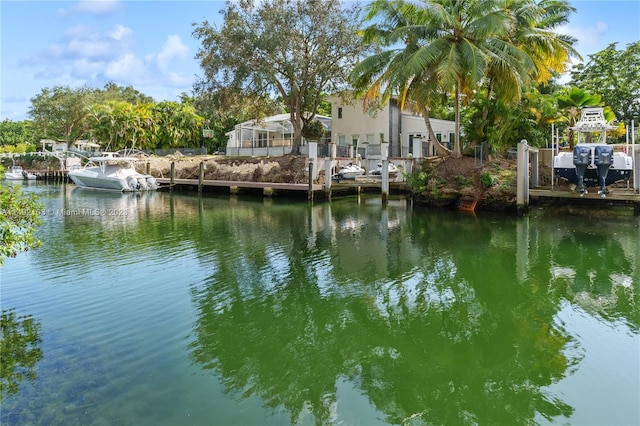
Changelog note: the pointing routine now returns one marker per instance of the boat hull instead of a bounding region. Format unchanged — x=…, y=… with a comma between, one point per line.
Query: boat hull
x=18, y=174
x=620, y=169
x=591, y=176
x=113, y=178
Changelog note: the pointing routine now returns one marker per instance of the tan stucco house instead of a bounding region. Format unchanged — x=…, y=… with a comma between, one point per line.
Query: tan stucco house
x=352, y=125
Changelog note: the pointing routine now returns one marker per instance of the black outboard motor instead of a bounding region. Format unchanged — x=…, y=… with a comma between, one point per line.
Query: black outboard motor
x=581, y=159
x=603, y=159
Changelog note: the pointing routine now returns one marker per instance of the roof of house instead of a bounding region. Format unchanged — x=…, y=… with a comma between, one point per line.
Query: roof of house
x=278, y=122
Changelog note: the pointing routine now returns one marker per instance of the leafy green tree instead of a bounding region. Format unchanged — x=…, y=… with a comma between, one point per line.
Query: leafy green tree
x=383, y=75
x=571, y=101
x=59, y=113
x=449, y=46
x=16, y=132
x=296, y=49
x=19, y=217
x=613, y=74
x=532, y=31
x=177, y=125
x=113, y=92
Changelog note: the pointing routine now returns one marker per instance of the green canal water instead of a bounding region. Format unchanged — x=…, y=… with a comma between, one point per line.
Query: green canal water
x=174, y=309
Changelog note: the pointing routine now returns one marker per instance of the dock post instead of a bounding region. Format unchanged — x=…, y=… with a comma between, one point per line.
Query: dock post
x=328, y=165
x=522, y=192
x=200, y=177
x=148, y=168
x=384, y=181
x=384, y=189
x=172, y=174
x=313, y=155
x=310, y=191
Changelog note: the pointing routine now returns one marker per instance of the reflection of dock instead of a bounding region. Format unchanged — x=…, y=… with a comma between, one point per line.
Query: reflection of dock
x=345, y=187
x=234, y=186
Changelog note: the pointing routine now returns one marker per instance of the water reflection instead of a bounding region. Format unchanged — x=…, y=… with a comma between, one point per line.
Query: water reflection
x=428, y=316
x=19, y=351
x=431, y=327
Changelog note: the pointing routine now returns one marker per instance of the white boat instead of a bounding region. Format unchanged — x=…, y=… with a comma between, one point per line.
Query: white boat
x=393, y=170
x=350, y=171
x=112, y=172
x=593, y=163
x=18, y=173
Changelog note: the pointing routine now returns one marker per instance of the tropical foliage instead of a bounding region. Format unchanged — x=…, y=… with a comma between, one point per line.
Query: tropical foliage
x=614, y=74
x=145, y=126
x=458, y=48
x=17, y=136
x=19, y=217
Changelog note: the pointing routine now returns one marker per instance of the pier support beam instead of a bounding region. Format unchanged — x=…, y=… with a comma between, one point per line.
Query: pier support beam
x=522, y=192
x=384, y=184
x=172, y=175
x=384, y=188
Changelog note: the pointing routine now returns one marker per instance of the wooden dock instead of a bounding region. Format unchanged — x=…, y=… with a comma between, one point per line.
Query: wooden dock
x=616, y=197
x=344, y=187
x=615, y=194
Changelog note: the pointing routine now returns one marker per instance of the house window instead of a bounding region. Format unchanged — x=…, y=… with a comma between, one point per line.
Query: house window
x=370, y=138
x=339, y=112
x=439, y=137
x=452, y=136
x=355, y=139
x=342, y=140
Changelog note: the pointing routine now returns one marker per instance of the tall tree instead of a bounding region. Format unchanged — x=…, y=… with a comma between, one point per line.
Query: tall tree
x=59, y=113
x=532, y=30
x=298, y=49
x=613, y=74
x=449, y=44
x=17, y=132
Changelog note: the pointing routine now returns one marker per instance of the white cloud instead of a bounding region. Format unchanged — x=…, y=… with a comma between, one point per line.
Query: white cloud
x=127, y=69
x=120, y=32
x=589, y=38
x=173, y=48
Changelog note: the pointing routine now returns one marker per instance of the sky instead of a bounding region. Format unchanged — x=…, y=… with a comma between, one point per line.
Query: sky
x=149, y=44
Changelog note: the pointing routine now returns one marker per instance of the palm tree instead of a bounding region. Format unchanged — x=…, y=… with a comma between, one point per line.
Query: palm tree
x=382, y=76
x=571, y=101
x=449, y=46
x=531, y=31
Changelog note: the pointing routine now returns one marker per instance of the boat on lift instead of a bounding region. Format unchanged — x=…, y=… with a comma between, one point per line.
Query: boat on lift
x=393, y=170
x=592, y=163
x=112, y=172
x=350, y=171
x=18, y=173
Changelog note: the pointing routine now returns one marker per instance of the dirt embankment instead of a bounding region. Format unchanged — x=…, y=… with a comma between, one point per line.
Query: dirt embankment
x=466, y=183
x=444, y=182
x=288, y=169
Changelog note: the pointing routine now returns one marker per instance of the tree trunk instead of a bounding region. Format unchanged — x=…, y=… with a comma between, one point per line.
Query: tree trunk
x=456, y=146
x=297, y=133
x=440, y=149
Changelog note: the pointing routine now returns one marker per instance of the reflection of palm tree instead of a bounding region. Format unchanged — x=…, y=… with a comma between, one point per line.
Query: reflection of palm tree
x=19, y=351
x=272, y=324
